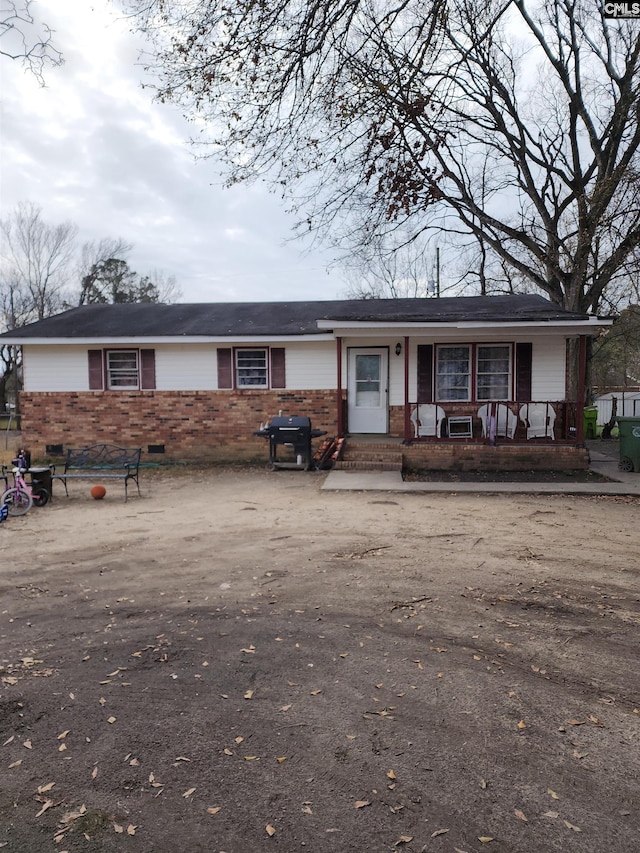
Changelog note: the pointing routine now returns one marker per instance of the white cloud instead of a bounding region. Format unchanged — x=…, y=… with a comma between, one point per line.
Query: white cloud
x=92, y=147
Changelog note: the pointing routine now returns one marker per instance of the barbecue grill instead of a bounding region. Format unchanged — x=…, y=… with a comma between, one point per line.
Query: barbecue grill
x=294, y=433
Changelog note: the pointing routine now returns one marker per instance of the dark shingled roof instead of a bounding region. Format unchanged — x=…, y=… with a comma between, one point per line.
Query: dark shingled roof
x=236, y=319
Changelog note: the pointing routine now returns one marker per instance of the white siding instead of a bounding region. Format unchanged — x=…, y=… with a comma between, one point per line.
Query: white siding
x=311, y=366
x=548, y=368
x=186, y=367
x=179, y=367
x=55, y=368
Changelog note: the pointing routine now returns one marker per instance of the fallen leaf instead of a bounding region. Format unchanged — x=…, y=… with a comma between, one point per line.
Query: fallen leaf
x=214, y=809
x=270, y=830
x=439, y=832
x=44, y=788
x=285, y=708
x=360, y=804
x=63, y=735
x=521, y=725
x=251, y=758
x=576, y=722
x=134, y=763
x=15, y=764
x=571, y=826
x=239, y=739
x=485, y=838
x=280, y=760
x=483, y=784
x=227, y=751
x=8, y=741
x=27, y=744
x=550, y=814
x=62, y=747
x=391, y=775
x=94, y=773
x=521, y=815
x=48, y=805
x=249, y=694
x=112, y=720
x=118, y=828
x=552, y=794
x=306, y=810
x=131, y=829
x=404, y=839
x=316, y=692
x=188, y=793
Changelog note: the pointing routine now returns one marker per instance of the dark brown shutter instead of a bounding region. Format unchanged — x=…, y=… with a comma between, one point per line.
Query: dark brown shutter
x=278, y=372
x=147, y=369
x=524, y=357
x=96, y=374
x=425, y=373
x=225, y=373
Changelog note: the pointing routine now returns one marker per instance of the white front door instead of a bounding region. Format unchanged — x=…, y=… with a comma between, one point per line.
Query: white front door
x=367, y=382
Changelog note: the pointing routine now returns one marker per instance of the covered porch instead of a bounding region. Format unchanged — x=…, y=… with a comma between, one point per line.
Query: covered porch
x=483, y=390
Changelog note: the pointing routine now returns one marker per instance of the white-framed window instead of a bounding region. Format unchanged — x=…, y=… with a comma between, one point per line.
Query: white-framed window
x=122, y=368
x=466, y=372
x=252, y=368
x=453, y=373
x=493, y=372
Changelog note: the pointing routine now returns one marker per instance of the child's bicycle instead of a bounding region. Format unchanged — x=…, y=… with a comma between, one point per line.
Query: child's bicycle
x=21, y=496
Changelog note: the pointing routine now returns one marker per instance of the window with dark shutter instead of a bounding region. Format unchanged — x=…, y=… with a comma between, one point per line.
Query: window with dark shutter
x=147, y=369
x=225, y=371
x=524, y=358
x=278, y=371
x=425, y=373
x=96, y=372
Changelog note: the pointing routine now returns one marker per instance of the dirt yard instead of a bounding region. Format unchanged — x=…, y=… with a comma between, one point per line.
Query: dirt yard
x=241, y=662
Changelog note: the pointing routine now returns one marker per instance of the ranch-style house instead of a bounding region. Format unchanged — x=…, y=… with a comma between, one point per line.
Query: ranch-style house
x=468, y=382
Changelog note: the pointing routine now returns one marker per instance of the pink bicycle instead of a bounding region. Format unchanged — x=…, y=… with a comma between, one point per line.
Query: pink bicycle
x=22, y=495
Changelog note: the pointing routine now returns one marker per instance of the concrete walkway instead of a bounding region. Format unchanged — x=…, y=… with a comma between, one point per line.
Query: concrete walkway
x=604, y=461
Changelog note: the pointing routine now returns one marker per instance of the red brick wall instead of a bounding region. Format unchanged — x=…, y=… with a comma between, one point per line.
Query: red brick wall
x=460, y=456
x=214, y=425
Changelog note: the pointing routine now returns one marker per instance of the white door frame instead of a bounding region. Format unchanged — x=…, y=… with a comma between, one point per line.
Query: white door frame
x=368, y=411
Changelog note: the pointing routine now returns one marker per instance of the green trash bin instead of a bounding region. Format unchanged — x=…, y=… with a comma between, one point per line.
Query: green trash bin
x=590, y=421
x=629, y=429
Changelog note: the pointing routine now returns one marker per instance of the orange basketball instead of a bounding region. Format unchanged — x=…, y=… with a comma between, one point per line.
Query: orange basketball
x=98, y=492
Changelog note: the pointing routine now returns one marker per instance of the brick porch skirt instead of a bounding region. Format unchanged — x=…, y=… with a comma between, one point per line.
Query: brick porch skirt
x=450, y=456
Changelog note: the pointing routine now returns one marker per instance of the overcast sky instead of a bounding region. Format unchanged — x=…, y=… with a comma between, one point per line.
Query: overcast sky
x=91, y=147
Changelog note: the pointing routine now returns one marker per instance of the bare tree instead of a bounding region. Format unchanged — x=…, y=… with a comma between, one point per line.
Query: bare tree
x=516, y=121
x=23, y=39
x=37, y=259
x=166, y=286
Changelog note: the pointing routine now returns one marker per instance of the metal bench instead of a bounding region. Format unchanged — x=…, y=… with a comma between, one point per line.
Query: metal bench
x=101, y=462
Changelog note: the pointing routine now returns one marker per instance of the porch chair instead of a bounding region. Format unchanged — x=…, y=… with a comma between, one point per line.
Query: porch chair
x=427, y=419
x=539, y=419
x=497, y=419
